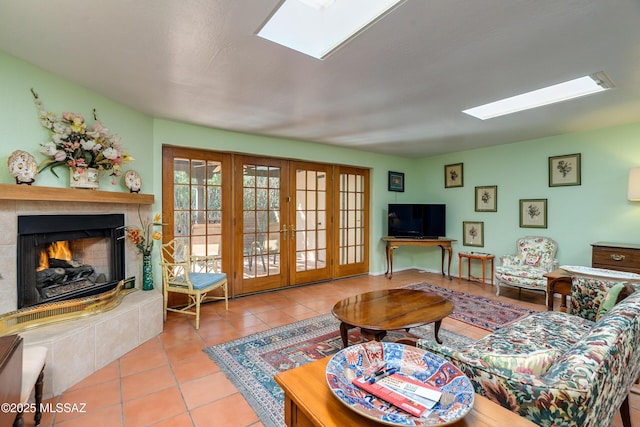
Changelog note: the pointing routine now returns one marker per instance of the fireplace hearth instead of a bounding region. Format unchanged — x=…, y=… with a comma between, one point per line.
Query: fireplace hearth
x=62, y=257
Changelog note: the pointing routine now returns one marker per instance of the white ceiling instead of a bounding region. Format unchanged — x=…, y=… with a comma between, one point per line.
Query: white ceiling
x=398, y=88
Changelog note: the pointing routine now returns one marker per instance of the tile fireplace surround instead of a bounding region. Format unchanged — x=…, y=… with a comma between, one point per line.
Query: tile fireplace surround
x=77, y=348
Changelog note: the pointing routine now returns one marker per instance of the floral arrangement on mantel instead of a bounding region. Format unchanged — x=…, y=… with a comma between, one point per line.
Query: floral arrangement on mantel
x=76, y=145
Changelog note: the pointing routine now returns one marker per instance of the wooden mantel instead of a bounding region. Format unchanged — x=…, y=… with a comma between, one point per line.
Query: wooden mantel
x=59, y=194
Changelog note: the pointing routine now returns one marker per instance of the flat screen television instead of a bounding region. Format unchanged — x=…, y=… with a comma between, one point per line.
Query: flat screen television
x=420, y=221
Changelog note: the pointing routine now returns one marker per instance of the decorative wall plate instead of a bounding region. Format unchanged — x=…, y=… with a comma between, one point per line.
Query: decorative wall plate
x=133, y=181
x=22, y=166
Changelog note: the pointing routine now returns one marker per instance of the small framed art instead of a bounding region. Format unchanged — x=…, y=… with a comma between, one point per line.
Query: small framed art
x=473, y=233
x=487, y=198
x=564, y=170
x=453, y=175
x=396, y=181
x=533, y=213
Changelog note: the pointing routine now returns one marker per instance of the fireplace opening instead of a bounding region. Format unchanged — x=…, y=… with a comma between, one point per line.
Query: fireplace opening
x=61, y=257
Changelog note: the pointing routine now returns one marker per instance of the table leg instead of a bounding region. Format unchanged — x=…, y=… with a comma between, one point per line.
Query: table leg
x=449, y=267
x=389, y=252
x=442, y=253
x=436, y=329
x=344, y=334
x=459, y=266
x=483, y=262
x=492, y=272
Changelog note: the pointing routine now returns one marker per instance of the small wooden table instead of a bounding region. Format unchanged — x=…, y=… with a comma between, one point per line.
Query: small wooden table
x=308, y=402
x=558, y=282
x=483, y=257
x=395, y=242
x=377, y=312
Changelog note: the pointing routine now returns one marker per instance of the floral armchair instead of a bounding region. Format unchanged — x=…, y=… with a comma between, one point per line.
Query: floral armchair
x=525, y=270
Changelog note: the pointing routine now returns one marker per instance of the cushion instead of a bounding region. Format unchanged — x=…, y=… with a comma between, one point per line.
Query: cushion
x=614, y=295
x=532, y=259
x=534, y=363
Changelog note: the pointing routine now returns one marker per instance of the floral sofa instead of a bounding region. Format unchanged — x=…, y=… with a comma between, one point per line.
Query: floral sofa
x=526, y=269
x=559, y=369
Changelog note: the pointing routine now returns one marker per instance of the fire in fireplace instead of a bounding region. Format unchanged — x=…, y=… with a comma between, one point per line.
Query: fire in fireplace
x=68, y=256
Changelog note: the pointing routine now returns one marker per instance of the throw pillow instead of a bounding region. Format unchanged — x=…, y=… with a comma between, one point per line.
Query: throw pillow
x=532, y=259
x=534, y=363
x=613, y=296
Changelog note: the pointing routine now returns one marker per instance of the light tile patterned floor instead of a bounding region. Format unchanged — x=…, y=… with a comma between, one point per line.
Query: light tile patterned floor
x=169, y=381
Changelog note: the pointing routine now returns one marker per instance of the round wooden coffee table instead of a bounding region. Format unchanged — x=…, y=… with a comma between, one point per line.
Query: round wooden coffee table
x=377, y=312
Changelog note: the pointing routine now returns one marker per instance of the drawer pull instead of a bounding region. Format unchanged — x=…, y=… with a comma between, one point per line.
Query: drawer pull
x=617, y=257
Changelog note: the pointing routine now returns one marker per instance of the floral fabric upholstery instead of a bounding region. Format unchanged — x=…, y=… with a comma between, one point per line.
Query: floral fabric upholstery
x=596, y=365
x=526, y=269
x=587, y=294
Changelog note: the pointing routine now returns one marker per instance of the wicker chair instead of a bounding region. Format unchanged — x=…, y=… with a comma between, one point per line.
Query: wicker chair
x=194, y=276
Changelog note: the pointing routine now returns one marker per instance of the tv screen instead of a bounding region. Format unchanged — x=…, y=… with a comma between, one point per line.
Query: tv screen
x=419, y=221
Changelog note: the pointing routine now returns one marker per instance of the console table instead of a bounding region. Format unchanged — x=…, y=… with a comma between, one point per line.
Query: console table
x=308, y=402
x=393, y=243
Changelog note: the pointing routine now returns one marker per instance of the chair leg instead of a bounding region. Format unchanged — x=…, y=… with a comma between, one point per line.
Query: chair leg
x=198, y=299
x=18, y=422
x=625, y=412
x=38, y=395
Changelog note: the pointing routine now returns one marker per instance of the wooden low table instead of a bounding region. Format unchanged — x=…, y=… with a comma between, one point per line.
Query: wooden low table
x=484, y=259
x=377, y=312
x=308, y=402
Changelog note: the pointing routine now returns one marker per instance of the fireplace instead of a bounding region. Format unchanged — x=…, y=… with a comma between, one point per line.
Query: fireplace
x=61, y=257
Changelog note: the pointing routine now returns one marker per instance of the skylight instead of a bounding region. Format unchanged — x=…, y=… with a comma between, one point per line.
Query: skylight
x=319, y=27
x=575, y=88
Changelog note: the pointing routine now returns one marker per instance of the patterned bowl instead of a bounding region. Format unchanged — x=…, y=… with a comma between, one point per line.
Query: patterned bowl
x=351, y=362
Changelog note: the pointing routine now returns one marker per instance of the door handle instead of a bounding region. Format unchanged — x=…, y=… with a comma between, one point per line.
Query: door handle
x=284, y=230
x=293, y=232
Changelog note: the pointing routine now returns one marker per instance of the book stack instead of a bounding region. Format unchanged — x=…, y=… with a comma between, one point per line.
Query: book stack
x=406, y=393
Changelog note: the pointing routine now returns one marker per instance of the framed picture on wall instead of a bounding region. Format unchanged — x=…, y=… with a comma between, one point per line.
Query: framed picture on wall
x=473, y=233
x=396, y=181
x=533, y=213
x=564, y=170
x=487, y=198
x=453, y=175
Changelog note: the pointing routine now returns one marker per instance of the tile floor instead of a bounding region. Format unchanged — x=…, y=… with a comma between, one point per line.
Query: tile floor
x=170, y=381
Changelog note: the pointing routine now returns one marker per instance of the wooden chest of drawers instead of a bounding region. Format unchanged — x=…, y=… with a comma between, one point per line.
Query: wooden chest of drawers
x=616, y=256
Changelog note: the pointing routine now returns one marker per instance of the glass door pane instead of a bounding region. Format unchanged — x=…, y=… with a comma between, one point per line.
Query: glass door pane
x=311, y=206
x=261, y=232
x=353, y=248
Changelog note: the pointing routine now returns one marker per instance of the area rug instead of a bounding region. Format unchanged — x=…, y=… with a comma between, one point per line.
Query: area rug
x=251, y=362
x=482, y=312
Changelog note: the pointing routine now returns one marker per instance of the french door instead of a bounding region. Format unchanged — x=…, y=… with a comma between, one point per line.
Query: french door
x=269, y=222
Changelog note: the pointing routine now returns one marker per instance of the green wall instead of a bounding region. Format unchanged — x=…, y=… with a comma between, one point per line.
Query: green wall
x=597, y=210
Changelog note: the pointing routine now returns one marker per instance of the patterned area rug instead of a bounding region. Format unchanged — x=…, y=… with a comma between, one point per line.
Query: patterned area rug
x=251, y=362
x=482, y=312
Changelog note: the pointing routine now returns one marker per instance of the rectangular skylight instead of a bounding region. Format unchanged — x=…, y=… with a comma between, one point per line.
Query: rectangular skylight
x=559, y=92
x=318, y=27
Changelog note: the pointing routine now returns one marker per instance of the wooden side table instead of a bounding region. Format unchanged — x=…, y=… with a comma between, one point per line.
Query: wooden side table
x=558, y=282
x=483, y=257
